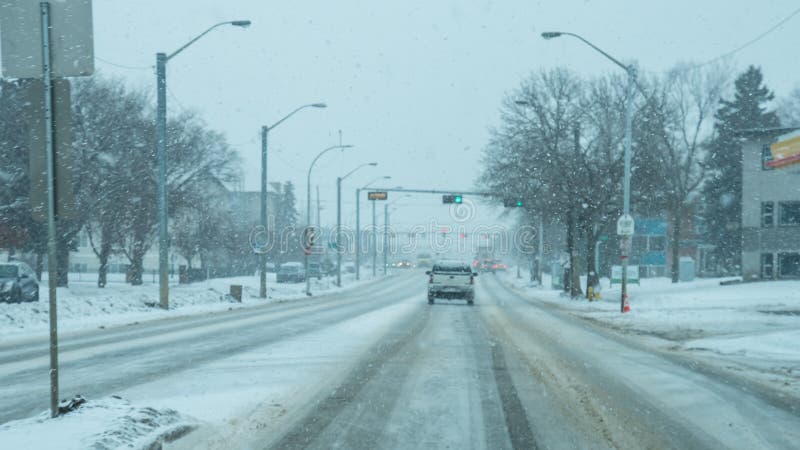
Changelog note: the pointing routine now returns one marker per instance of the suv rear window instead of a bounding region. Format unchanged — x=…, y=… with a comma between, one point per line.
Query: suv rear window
x=452, y=268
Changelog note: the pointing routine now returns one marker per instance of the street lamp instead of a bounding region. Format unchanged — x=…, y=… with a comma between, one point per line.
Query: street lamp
x=358, y=222
x=626, y=203
x=307, y=247
x=339, y=221
x=161, y=151
x=262, y=261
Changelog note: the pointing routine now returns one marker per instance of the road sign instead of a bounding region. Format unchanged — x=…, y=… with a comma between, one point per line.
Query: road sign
x=71, y=38
x=631, y=278
x=309, y=236
x=62, y=151
x=603, y=238
x=377, y=195
x=625, y=225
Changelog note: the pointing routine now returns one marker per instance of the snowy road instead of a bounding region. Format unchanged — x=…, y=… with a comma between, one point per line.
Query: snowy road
x=376, y=367
x=104, y=362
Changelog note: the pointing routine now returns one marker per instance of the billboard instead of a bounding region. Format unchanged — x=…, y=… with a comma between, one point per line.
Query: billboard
x=786, y=151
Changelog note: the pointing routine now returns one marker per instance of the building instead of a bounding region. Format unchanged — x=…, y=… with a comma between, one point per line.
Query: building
x=770, y=209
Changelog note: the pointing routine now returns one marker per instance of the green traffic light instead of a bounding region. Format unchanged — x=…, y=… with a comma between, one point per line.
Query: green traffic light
x=519, y=203
x=457, y=199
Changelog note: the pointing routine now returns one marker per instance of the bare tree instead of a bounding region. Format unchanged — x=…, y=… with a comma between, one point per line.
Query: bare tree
x=678, y=116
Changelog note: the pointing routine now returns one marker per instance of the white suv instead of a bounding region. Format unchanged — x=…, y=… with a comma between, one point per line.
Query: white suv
x=451, y=279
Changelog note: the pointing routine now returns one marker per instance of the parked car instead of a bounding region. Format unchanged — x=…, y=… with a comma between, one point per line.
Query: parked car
x=315, y=270
x=451, y=279
x=18, y=283
x=291, y=272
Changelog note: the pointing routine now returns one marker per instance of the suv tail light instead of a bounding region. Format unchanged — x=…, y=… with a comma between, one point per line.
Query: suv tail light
x=430, y=280
x=472, y=279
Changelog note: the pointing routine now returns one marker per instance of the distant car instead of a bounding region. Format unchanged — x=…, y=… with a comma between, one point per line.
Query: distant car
x=482, y=265
x=18, y=283
x=451, y=279
x=424, y=260
x=404, y=264
x=291, y=272
x=498, y=266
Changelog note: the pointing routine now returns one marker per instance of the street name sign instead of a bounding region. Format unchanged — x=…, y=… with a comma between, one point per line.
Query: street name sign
x=377, y=195
x=625, y=225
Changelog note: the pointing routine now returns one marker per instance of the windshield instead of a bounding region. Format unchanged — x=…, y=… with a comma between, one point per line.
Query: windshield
x=8, y=271
x=450, y=224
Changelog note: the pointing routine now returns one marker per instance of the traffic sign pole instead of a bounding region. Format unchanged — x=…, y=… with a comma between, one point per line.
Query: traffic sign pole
x=51, y=206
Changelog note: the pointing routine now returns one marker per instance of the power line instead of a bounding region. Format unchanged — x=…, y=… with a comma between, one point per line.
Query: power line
x=122, y=66
x=748, y=43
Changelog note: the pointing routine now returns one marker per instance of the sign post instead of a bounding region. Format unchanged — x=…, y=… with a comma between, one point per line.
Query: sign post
x=43, y=40
x=625, y=229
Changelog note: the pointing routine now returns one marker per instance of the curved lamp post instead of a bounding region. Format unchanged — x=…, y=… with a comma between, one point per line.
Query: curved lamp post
x=307, y=251
x=626, y=205
x=262, y=260
x=339, y=221
x=161, y=151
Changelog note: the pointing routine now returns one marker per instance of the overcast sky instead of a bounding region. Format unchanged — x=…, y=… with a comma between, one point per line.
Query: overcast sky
x=414, y=85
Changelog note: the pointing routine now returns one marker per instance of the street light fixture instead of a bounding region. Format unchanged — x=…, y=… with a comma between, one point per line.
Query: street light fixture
x=358, y=222
x=262, y=260
x=626, y=238
x=161, y=151
x=339, y=221
x=307, y=251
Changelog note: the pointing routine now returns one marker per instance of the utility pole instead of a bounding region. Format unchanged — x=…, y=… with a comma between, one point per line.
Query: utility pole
x=385, y=236
x=319, y=222
x=540, y=266
x=338, y=231
x=374, y=240
x=358, y=234
x=262, y=257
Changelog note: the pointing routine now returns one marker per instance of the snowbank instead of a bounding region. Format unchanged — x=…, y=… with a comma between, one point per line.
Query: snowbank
x=756, y=325
x=83, y=305
x=106, y=423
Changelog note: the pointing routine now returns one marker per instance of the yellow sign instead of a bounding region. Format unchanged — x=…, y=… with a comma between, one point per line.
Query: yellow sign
x=786, y=151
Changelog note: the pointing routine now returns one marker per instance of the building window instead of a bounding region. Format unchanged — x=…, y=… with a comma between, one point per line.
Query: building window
x=639, y=245
x=767, y=214
x=789, y=214
x=658, y=243
x=767, y=266
x=789, y=265
x=766, y=156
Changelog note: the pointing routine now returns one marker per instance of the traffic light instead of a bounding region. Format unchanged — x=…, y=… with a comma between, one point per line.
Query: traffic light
x=452, y=198
x=512, y=203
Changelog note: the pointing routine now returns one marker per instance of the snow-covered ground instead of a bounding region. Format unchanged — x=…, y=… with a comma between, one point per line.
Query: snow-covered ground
x=753, y=328
x=107, y=423
x=211, y=395
x=83, y=305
